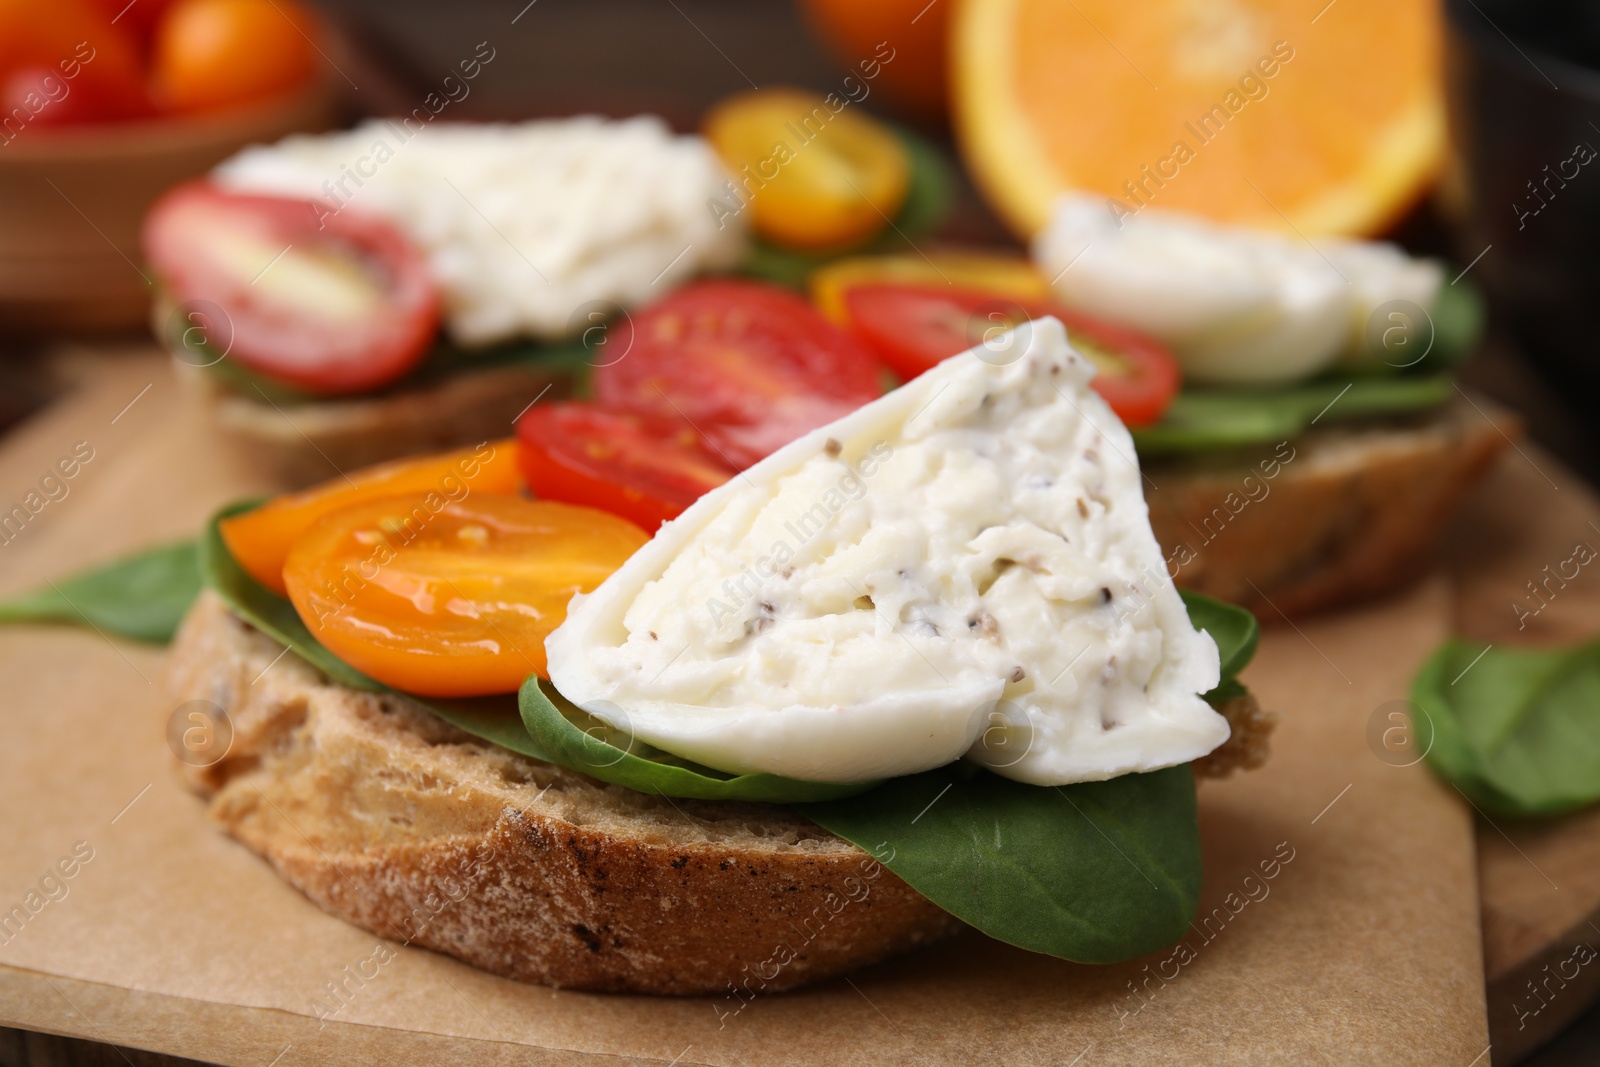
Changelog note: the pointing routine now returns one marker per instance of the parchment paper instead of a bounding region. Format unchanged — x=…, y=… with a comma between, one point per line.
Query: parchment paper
x=1362, y=946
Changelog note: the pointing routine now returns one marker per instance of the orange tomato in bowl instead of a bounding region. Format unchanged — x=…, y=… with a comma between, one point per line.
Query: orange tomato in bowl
x=215, y=54
x=452, y=602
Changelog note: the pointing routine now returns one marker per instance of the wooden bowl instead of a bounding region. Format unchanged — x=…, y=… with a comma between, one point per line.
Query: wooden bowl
x=72, y=200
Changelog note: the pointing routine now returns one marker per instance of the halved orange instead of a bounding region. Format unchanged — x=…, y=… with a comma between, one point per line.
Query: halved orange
x=1325, y=118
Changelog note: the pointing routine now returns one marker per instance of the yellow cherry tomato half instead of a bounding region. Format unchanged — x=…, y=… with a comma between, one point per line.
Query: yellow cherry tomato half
x=813, y=172
x=1004, y=276
x=453, y=602
x=260, y=540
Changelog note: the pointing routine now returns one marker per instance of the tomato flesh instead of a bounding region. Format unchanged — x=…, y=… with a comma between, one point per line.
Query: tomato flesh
x=915, y=327
x=455, y=601
x=751, y=366
x=326, y=302
x=644, y=468
x=260, y=540
x=812, y=176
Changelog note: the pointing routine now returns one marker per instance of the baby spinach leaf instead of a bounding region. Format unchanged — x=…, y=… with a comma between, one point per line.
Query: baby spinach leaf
x=578, y=740
x=1234, y=629
x=1201, y=419
x=927, y=201
x=1458, y=317
x=1097, y=872
x=494, y=719
x=142, y=597
x=1517, y=730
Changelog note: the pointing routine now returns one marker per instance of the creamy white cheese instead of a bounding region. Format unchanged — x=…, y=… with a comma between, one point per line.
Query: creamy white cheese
x=1235, y=305
x=964, y=566
x=525, y=226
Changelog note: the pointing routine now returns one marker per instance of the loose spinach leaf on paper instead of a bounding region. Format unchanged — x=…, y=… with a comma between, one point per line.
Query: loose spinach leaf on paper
x=1517, y=730
x=1097, y=872
x=582, y=742
x=927, y=202
x=142, y=597
x=494, y=719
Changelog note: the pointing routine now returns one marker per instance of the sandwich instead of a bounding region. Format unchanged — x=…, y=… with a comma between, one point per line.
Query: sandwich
x=917, y=668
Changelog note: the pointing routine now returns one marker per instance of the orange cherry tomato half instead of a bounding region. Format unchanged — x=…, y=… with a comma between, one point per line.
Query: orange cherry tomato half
x=260, y=540
x=914, y=327
x=989, y=272
x=645, y=468
x=215, y=54
x=813, y=176
x=453, y=602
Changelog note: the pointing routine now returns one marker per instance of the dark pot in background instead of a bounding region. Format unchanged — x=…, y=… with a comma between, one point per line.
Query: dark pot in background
x=1524, y=97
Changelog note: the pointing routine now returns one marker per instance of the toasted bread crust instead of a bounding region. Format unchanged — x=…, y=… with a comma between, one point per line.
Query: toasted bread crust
x=395, y=821
x=1346, y=513
x=311, y=442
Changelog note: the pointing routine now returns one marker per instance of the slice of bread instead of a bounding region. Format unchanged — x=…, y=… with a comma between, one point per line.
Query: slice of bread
x=1344, y=512
x=305, y=443
x=393, y=820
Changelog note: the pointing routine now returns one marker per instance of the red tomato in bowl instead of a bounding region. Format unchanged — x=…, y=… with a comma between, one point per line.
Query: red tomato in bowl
x=645, y=468
x=65, y=62
x=326, y=302
x=914, y=326
x=751, y=366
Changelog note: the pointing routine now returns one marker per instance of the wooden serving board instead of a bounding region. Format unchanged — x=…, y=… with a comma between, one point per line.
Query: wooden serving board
x=1339, y=918
x=1540, y=880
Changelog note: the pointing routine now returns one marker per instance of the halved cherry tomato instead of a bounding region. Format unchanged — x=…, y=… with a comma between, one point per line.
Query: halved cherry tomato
x=214, y=54
x=988, y=272
x=454, y=601
x=329, y=302
x=750, y=365
x=914, y=327
x=260, y=540
x=643, y=467
x=812, y=175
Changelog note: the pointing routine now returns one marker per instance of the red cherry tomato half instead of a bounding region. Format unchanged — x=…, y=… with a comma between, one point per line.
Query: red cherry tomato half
x=750, y=365
x=645, y=468
x=913, y=327
x=326, y=302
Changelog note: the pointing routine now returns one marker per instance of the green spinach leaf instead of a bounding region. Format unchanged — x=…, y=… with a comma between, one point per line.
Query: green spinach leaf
x=1211, y=418
x=1517, y=730
x=142, y=597
x=1097, y=872
x=1234, y=629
